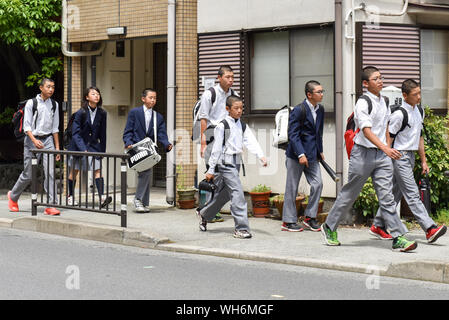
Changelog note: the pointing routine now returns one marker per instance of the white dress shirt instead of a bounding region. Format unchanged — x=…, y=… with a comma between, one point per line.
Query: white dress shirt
x=216, y=112
x=46, y=121
x=407, y=139
x=234, y=145
x=313, y=109
x=92, y=114
x=148, y=114
x=377, y=120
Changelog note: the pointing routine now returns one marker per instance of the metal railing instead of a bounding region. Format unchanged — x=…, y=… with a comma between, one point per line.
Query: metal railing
x=86, y=200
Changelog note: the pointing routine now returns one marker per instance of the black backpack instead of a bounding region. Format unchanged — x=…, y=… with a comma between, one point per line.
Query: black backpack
x=17, y=118
x=67, y=137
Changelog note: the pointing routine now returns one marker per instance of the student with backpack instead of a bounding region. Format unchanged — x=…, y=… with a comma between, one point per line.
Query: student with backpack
x=40, y=125
x=88, y=135
x=405, y=128
x=212, y=111
x=370, y=156
x=304, y=151
x=231, y=135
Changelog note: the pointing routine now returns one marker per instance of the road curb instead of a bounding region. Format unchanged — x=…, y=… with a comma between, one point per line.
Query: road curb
x=89, y=231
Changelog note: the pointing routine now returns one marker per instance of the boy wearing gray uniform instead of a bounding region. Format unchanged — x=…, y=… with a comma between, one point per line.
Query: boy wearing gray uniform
x=41, y=129
x=407, y=141
x=370, y=156
x=226, y=156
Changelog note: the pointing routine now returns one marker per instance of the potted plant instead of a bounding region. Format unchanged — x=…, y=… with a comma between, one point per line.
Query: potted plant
x=186, y=195
x=260, y=198
x=278, y=202
x=306, y=202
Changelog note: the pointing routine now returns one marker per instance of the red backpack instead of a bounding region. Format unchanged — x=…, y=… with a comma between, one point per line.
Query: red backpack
x=351, y=130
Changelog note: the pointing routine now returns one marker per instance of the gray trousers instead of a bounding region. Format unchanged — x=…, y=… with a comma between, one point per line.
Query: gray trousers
x=404, y=185
x=229, y=187
x=143, y=187
x=25, y=177
x=313, y=176
x=366, y=162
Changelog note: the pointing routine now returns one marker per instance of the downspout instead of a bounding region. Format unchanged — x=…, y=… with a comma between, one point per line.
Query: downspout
x=64, y=42
x=171, y=94
x=339, y=92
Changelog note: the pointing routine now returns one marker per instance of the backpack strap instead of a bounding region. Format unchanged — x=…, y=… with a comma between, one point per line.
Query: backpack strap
x=368, y=100
x=213, y=95
x=34, y=100
x=302, y=114
x=155, y=126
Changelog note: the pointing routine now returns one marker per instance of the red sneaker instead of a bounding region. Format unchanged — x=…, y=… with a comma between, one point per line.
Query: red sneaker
x=380, y=233
x=434, y=233
x=52, y=211
x=12, y=205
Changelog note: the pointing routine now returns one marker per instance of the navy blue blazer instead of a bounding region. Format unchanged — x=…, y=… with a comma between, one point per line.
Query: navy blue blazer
x=308, y=139
x=86, y=135
x=135, y=128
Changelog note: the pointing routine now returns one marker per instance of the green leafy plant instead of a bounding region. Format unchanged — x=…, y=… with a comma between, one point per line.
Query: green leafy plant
x=437, y=156
x=6, y=116
x=367, y=202
x=442, y=217
x=261, y=188
x=180, y=176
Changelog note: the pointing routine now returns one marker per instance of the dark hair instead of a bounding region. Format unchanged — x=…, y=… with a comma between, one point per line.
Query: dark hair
x=45, y=80
x=146, y=90
x=368, y=71
x=310, y=85
x=408, y=85
x=85, y=103
x=231, y=99
x=223, y=69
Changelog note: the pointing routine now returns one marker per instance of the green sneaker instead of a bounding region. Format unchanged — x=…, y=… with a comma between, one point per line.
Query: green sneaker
x=402, y=244
x=330, y=237
x=217, y=218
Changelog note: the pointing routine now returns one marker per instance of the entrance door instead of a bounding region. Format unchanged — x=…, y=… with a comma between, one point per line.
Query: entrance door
x=160, y=85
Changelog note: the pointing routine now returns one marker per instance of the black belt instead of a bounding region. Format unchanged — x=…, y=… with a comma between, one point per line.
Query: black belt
x=43, y=137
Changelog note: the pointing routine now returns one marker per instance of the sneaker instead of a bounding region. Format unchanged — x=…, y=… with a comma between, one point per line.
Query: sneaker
x=52, y=212
x=218, y=218
x=380, y=233
x=403, y=245
x=12, y=205
x=242, y=234
x=71, y=201
x=311, y=224
x=330, y=237
x=434, y=233
x=203, y=222
x=291, y=227
x=139, y=208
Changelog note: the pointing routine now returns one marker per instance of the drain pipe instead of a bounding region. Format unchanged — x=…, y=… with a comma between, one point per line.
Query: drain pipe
x=171, y=95
x=64, y=42
x=339, y=92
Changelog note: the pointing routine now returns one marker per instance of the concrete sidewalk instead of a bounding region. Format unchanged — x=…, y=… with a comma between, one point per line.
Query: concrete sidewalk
x=172, y=229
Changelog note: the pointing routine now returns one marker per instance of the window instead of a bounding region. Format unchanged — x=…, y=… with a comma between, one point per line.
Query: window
x=282, y=62
x=434, y=68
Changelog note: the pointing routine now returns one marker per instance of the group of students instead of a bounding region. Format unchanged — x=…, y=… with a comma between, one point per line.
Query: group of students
x=88, y=131
x=373, y=155
x=223, y=137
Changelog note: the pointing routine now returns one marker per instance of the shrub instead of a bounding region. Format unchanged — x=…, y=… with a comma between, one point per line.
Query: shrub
x=367, y=202
x=261, y=188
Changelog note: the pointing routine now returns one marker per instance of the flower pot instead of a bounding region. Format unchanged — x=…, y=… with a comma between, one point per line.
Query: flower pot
x=186, y=204
x=280, y=204
x=261, y=203
x=306, y=202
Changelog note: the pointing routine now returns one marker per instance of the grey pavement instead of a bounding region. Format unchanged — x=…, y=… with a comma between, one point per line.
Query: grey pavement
x=173, y=229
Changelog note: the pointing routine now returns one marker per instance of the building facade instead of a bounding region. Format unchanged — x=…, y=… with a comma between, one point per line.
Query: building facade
x=274, y=47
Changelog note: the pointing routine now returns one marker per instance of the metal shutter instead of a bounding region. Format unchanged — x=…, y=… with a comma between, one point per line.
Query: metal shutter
x=395, y=50
x=215, y=50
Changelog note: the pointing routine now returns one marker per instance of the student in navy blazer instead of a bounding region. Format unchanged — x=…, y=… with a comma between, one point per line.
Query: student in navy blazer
x=304, y=151
x=140, y=124
x=88, y=135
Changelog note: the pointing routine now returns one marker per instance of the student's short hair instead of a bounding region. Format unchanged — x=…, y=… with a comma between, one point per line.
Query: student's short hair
x=408, y=85
x=85, y=103
x=368, y=71
x=44, y=80
x=146, y=90
x=310, y=86
x=231, y=99
x=223, y=69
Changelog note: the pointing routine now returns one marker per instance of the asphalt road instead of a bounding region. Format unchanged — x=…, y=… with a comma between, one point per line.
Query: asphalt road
x=42, y=266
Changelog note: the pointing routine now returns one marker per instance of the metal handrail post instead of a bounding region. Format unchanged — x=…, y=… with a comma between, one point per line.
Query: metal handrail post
x=33, y=184
x=123, y=183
